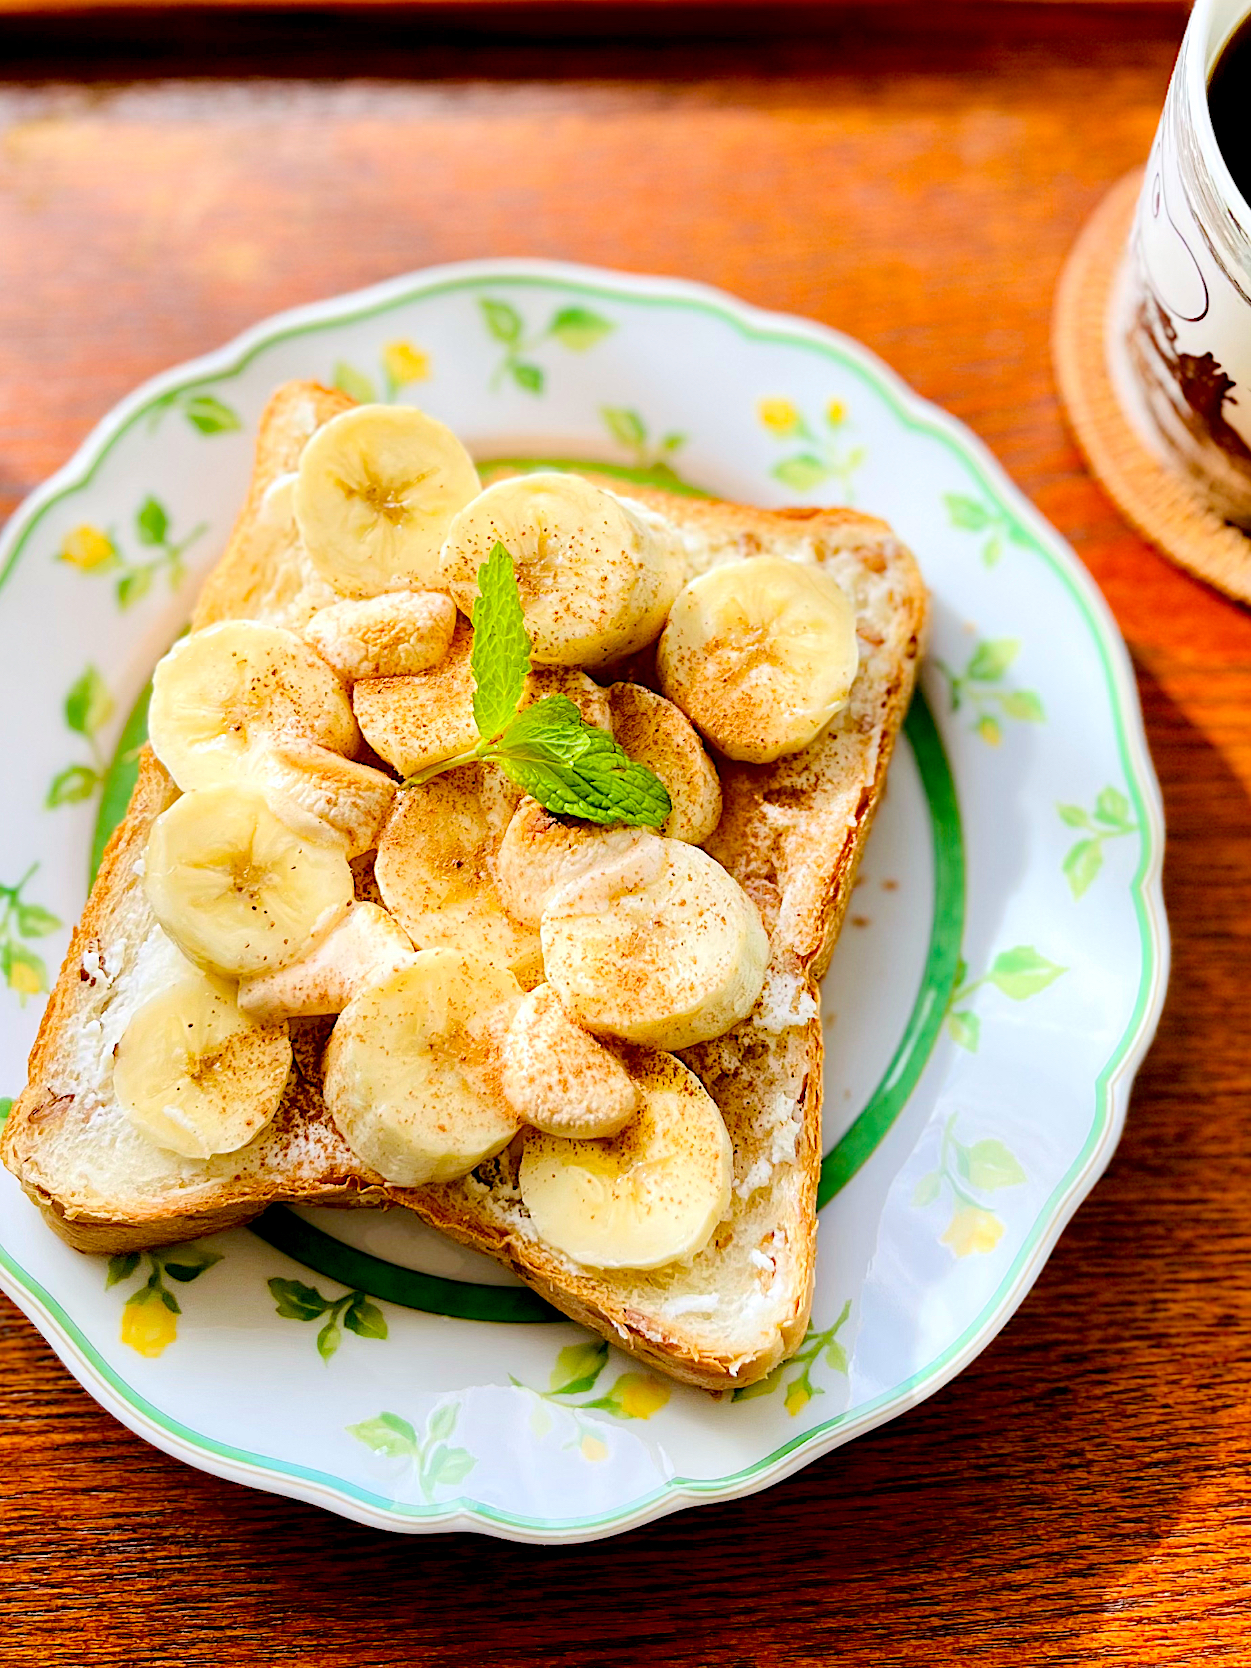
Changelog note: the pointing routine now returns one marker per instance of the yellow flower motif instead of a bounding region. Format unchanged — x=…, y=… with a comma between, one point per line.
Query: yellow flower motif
x=973, y=1229
x=593, y=1449
x=24, y=979
x=797, y=1397
x=147, y=1325
x=835, y=413
x=640, y=1395
x=404, y=363
x=86, y=548
x=780, y=416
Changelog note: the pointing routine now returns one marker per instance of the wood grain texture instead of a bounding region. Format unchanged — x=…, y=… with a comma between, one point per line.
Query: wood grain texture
x=1080, y=1494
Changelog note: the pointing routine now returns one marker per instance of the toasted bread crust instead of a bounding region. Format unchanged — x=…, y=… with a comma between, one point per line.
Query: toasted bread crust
x=791, y=833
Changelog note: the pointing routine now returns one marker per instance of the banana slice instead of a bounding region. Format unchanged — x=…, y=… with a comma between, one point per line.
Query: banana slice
x=235, y=888
x=196, y=1075
x=652, y=1194
x=433, y=870
x=412, y=1069
x=319, y=794
x=541, y=853
x=596, y=580
x=657, y=734
x=376, y=492
x=558, y=1078
x=221, y=690
x=365, y=946
x=417, y=721
x=674, y=961
x=390, y=636
x=760, y=655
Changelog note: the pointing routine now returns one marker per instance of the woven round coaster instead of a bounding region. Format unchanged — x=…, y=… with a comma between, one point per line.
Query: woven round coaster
x=1156, y=500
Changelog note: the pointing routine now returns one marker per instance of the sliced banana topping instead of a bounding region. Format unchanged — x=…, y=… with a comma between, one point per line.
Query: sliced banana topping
x=376, y=492
x=657, y=734
x=674, y=961
x=236, y=889
x=541, y=853
x=412, y=1069
x=365, y=946
x=196, y=1075
x=760, y=655
x=558, y=1077
x=220, y=691
x=389, y=636
x=320, y=795
x=596, y=581
x=648, y=1196
x=416, y=721
x=433, y=870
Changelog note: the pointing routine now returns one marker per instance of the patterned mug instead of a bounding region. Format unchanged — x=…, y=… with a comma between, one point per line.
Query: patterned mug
x=1180, y=342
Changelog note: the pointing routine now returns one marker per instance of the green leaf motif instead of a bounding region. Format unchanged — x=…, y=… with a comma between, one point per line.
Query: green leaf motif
x=131, y=587
x=364, y=1318
x=1112, y=809
x=33, y=921
x=1021, y=972
x=529, y=377
x=17, y=955
x=578, y=1366
x=6, y=1106
x=802, y=472
x=673, y=442
x=763, y=1387
x=88, y=706
x=442, y=1422
x=576, y=770
x=836, y=1356
x=387, y=1434
x=188, y=1262
x=967, y=512
x=1082, y=864
x=990, y=660
x=992, y=550
x=500, y=656
x=504, y=322
x=121, y=1267
x=207, y=414
x=965, y=1029
x=578, y=328
x=355, y=384
x=296, y=1301
x=626, y=426
x=927, y=1190
x=71, y=785
x=1021, y=704
x=151, y=522
x=1073, y=816
x=992, y=1166
x=449, y=1466
x=329, y=1339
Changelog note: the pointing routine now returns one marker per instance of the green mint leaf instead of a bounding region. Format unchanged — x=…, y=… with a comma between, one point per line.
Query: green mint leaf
x=576, y=770
x=500, y=657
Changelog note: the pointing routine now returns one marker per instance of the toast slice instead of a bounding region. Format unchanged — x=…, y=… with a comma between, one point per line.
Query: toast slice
x=791, y=834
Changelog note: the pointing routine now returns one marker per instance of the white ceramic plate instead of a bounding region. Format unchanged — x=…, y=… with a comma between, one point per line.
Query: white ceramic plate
x=996, y=985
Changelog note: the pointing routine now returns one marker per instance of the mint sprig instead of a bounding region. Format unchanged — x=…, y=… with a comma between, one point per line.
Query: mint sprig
x=548, y=749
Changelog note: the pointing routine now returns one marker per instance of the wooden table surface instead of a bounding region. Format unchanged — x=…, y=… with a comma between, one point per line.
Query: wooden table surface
x=913, y=176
